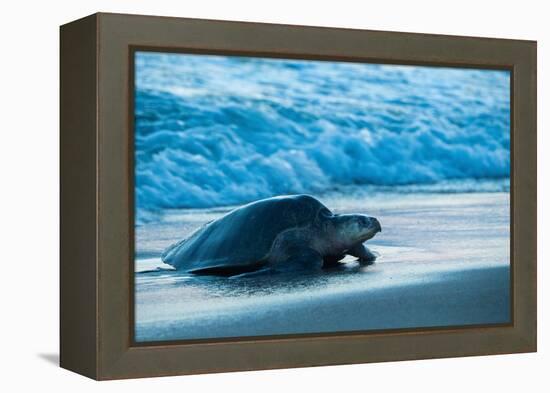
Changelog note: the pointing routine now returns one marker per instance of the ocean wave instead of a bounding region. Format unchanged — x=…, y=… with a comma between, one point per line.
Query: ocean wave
x=215, y=131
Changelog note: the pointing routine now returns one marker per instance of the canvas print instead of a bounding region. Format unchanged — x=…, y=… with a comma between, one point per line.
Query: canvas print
x=293, y=197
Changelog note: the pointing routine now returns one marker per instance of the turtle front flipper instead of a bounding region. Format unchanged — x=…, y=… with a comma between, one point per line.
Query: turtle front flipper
x=300, y=259
x=363, y=254
x=333, y=260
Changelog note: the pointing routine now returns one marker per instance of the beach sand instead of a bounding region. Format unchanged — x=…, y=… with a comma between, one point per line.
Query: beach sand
x=444, y=261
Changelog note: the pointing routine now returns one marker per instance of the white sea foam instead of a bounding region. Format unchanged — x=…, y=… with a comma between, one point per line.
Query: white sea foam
x=218, y=131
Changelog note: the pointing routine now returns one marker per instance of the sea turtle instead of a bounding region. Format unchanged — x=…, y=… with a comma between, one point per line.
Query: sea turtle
x=295, y=232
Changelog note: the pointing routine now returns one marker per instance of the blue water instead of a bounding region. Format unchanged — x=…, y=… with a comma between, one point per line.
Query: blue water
x=217, y=131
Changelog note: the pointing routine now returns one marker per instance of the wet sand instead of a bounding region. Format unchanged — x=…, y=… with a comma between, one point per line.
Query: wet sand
x=444, y=261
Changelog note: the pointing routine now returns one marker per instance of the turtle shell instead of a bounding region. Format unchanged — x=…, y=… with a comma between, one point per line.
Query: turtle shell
x=241, y=240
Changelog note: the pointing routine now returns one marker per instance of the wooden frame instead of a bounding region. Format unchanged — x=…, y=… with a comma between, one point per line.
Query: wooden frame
x=97, y=195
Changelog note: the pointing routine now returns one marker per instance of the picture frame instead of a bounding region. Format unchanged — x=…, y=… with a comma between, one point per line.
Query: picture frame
x=97, y=200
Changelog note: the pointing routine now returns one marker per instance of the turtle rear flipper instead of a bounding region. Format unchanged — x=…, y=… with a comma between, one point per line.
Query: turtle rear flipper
x=226, y=270
x=266, y=271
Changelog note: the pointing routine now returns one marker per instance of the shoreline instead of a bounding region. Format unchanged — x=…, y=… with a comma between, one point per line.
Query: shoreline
x=433, y=297
x=444, y=261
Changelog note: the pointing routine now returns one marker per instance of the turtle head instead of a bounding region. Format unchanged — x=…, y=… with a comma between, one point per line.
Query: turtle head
x=349, y=229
